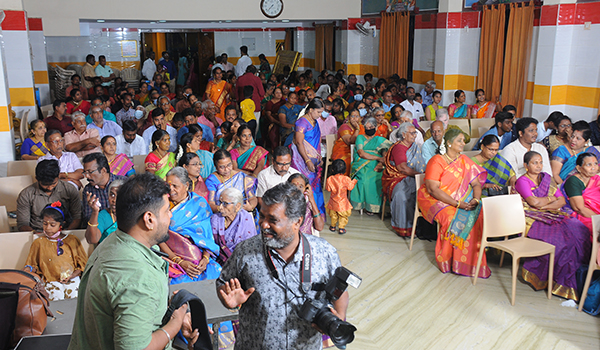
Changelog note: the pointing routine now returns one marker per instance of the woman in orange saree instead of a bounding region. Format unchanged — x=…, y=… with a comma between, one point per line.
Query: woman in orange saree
x=347, y=134
x=482, y=108
x=451, y=196
x=217, y=90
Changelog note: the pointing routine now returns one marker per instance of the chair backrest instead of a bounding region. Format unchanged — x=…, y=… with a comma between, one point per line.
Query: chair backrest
x=425, y=124
x=419, y=180
x=351, y=153
x=89, y=248
x=21, y=167
x=471, y=154
x=503, y=216
x=14, y=249
x=477, y=124
x=469, y=146
x=10, y=187
x=24, y=126
x=139, y=164
x=596, y=232
x=463, y=124
x=4, y=226
x=46, y=110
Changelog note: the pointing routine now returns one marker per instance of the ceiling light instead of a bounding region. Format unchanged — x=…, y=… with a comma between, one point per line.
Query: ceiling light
x=100, y=21
x=285, y=20
x=162, y=21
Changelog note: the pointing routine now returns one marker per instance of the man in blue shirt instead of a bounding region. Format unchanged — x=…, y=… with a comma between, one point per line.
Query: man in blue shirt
x=502, y=129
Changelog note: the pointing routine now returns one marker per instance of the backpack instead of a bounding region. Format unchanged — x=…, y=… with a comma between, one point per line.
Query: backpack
x=24, y=306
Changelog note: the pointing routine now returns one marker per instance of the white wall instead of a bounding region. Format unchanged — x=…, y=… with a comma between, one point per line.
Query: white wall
x=230, y=42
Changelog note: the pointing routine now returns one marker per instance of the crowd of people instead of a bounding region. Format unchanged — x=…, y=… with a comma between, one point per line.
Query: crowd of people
x=221, y=151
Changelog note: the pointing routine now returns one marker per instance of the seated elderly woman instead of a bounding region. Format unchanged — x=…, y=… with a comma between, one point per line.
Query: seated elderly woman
x=546, y=221
x=103, y=222
x=583, y=189
x=366, y=168
x=312, y=218
x=191, y=247
x=565, y=156
x=451, y=196
x=192, y=164
x=119, y=164
x=231, y=225
x=500, y=173
x=402, y=163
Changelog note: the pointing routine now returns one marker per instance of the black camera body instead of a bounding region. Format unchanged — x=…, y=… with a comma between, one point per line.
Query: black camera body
x=317, y=310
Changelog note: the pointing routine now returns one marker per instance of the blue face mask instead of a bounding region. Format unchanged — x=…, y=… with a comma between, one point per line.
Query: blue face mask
x=358, y=97
x=139, y=114
x=292, y=89
x=325, y=114
x=362, y=111
x=154, y=101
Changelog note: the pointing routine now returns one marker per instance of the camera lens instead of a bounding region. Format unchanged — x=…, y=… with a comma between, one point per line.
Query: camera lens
x=340, y=332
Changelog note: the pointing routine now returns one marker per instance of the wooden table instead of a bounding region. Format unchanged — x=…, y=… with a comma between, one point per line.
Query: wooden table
x=64, y=310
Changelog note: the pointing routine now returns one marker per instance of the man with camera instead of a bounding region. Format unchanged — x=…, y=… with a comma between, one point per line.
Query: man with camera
x=276, y=276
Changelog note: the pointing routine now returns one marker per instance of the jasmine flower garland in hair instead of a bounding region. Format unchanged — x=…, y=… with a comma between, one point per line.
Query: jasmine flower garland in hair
x=179, y=153
x=442, y=148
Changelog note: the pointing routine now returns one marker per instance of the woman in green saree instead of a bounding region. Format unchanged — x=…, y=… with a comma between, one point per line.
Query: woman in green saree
x=160, y=160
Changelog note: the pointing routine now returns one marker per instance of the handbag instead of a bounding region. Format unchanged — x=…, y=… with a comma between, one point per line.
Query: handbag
x=493, y=192
x=30, y=315
x=592, y=300
x=198, y=315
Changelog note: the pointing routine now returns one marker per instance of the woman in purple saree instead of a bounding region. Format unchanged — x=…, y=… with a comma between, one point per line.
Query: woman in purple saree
x=546, y=221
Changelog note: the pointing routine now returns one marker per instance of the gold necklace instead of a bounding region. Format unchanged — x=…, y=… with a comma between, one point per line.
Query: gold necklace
x=449, y=159
x=535, y=181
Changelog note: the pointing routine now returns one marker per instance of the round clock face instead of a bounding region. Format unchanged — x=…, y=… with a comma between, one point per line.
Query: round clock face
x=271, y=8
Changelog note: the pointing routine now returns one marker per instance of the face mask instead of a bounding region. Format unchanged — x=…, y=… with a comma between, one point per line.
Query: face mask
x=358, y=97
x=370, y=132
x=292, y=89
x=325, y=114
x=139, y=114
x=362, y=111
x=154, y=101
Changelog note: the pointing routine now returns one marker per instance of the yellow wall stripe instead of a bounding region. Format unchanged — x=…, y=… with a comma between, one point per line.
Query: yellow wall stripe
x=571, y=95
x=529, y=93
x=423, y=76
x=5, y=119
x=541, y=94
x=362, y=69
x=40, y=77
x=22, y=97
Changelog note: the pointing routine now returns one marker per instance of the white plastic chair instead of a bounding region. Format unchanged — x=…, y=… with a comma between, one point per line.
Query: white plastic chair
x=419, y=180
x=593, y=260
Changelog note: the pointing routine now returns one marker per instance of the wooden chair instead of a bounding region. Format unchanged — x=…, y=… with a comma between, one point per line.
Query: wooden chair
x=504, y=216
x=329, y=141
x=21, y=167
x=477, y=124
x=419, y=179
x=139, y=164
x=10, y=187
x=4, y=226
x=14, y=249
x=593, y=260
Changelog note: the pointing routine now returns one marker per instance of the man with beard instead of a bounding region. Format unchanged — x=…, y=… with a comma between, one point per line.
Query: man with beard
x=128, y=111
x=97, y=171
x=124, y=289
x=263, y=276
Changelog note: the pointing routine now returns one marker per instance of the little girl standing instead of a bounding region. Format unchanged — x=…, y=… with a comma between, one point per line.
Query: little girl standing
x=57, y=257
x=339, y=207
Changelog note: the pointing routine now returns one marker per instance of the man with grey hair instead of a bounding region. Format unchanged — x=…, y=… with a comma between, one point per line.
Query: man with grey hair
x=443, y=116
x=433, y=143
x=427, y=93
x=80, y=140
x=264, y=269
x=104, y=127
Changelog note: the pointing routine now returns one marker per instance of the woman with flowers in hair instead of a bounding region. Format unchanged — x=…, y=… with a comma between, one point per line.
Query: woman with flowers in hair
x=57, y=257
x=451, y=195
x=159, y=161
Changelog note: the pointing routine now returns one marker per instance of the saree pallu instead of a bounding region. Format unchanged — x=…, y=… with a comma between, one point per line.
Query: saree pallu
x=199, y=188
x=35, y=149
x=312, y=146
x=453, y=252
x=240, y=229
x=218, y=94
x=121, y=165
x=498, y=170
x=307, y=224
x=340, y=149
x=552, y=143
x=160, y=166
x=488, y=110
x=568, y=161
x=367, y=192
x=190, y=234
x=461, y=112
x=401, y=189
x=245, y=183
x=567, y=234
x=591, y=198
x=250, y=159
x=291, y=116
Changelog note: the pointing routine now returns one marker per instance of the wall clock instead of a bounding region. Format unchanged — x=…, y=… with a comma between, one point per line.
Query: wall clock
x=271, y=8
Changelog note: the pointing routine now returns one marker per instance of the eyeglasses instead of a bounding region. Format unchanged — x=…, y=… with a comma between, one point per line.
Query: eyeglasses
x=164, y=104
x=226, y=203
x=56, y=142
x=89, y=172
x=195, y=164
x=567, y=126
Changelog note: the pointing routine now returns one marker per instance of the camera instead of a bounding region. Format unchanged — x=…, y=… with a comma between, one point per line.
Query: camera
x=317, y=310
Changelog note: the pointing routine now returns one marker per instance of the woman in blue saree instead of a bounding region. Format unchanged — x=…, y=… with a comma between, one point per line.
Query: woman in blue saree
x=564, y=157
x=306, y=149
x=288, y=114
x=459, y=109
x=500, y=174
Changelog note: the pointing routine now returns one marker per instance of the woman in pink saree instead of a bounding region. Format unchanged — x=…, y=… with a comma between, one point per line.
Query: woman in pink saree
x=583, y=189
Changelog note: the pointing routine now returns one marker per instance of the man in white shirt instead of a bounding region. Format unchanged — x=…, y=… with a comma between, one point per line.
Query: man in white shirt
x=158, y=118
x=149, y=67
x=243, y=62
x=129, y=142
x=411, y=105
x=227, y=66
x=545, y=128
x=514, y=152
x=276, y=173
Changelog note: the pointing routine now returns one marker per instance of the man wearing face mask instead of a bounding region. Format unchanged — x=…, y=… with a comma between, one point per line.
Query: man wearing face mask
x=127, y=112
x=130, y=142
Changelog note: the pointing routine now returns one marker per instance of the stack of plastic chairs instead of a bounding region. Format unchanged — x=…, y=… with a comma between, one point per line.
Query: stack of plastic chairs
x=62, y=81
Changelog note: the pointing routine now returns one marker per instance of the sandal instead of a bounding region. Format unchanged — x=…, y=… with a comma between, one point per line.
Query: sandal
x=342, y=231
x=332, y=228
x=369, y=213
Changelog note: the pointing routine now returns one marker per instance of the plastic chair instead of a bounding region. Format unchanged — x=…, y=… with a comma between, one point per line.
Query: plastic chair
x=46, y=110
x=593, y=260
x=21, y=167
x=24, y=126
x=463, y=124
x=10, y=187
x=14, y=249
x=426, y=124
x=504, y=216
x=4, y=226
x=469, y=146
x=329, y=141
x=477, y=124
x=419, y=180
x=139, y=164
x=471, y=154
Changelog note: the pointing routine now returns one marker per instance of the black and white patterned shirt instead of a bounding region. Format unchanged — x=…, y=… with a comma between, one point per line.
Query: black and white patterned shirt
x=269, y=318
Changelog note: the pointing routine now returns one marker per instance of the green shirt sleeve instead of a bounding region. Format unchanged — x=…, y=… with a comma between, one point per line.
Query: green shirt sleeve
x=574, y=187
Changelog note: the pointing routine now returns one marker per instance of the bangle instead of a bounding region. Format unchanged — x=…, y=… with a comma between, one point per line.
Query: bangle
x=30, y=268
x=549, y=200
x=476, y=200
x=206, y=257
x=317, y=215
x=93, y=225
x=176, y=259
x=457, y=204
x=167, y=333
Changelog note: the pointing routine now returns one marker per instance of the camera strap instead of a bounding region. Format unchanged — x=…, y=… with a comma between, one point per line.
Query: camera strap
x=305, y=266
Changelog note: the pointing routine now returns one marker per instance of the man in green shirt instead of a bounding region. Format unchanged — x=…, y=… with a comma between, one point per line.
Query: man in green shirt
x=123, y=294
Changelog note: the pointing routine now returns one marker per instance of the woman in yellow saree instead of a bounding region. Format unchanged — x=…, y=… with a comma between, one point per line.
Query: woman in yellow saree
x=217, y=90
x=451, y=196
